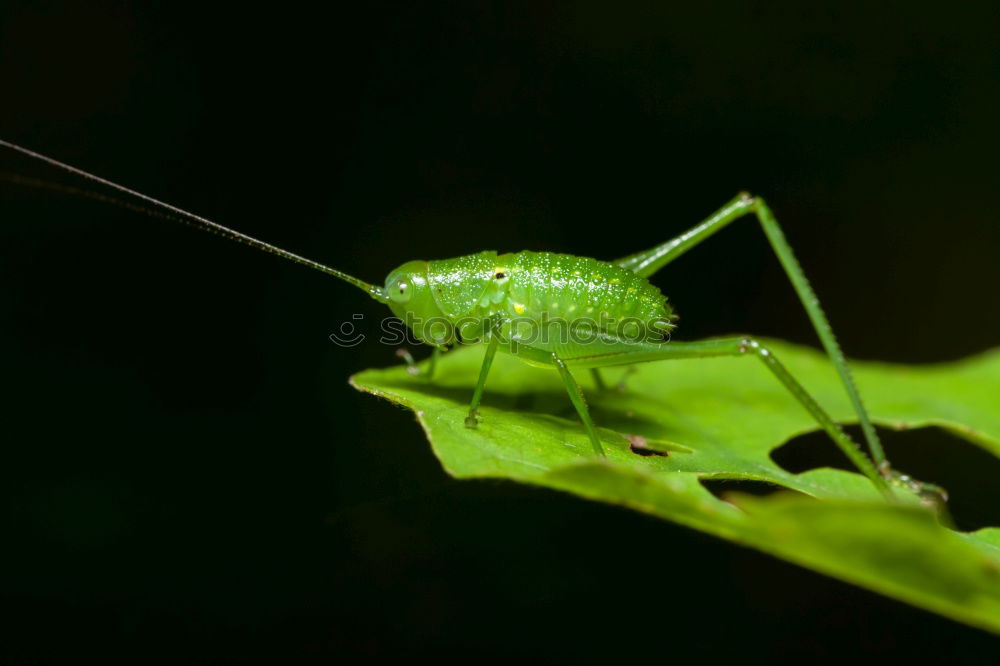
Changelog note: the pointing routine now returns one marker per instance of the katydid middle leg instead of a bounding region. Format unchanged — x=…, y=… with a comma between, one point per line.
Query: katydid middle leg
x=472, y=420
x=648, y=262
x=541, y=357
x=579, y=402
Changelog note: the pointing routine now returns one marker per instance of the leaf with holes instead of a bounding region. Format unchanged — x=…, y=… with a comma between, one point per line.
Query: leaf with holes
x=721, y=419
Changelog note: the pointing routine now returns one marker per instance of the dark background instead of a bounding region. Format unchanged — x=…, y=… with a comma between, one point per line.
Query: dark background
x=187, y=475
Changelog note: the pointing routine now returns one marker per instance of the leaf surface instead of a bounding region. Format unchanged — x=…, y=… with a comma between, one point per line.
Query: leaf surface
x=721, y=419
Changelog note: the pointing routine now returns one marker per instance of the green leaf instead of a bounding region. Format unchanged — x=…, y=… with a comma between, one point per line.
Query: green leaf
x=720, y=419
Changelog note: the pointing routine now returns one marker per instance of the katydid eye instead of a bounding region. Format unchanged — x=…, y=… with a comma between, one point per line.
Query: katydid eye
x=400, y=290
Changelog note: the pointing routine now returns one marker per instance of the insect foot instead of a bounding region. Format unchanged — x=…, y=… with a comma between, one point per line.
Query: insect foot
x=472, y=420
x=932, y=496
x=411, y=365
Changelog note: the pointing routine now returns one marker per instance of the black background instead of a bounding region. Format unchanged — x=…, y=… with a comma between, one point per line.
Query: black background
x=189, y=477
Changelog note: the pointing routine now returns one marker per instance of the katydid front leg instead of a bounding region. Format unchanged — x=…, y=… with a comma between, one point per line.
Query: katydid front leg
x=413, y=368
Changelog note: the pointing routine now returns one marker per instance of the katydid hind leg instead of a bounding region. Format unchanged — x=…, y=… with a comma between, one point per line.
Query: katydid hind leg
x=741, y=347
x=648, y=262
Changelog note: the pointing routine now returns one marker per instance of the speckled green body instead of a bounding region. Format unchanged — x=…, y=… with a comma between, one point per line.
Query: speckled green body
x=478, y=290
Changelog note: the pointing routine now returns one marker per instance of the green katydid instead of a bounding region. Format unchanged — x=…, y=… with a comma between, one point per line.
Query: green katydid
x=592, y=314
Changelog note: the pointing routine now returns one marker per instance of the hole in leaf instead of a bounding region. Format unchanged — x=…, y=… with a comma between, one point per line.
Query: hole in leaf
x=966, y=471
x=814, y=450
x=640, y=446
x=722, y=487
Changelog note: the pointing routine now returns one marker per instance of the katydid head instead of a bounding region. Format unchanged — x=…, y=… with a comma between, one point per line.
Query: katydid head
x=411, y=298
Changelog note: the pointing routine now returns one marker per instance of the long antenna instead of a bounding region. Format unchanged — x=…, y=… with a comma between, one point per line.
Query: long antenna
x=190, y=218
